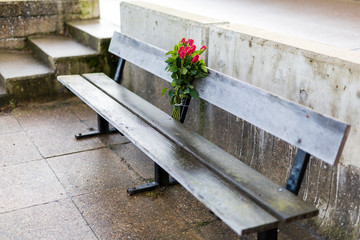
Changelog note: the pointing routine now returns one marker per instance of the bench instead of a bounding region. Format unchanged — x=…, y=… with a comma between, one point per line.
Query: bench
x=241, y=197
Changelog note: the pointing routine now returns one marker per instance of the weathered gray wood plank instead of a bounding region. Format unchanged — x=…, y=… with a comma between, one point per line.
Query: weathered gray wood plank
x=300, y=126
x=283, y=204
x=229, y=204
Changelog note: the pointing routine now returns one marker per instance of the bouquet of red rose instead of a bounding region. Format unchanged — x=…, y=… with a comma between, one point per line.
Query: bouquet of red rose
x=185, y=66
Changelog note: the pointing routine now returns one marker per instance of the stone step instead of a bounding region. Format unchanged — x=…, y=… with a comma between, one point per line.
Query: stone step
x=25, y=77
x=65, y=55
x=94, y=33
x=4, y=97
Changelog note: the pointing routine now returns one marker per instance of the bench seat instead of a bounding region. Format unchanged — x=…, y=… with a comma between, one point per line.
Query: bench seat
x=244, y=199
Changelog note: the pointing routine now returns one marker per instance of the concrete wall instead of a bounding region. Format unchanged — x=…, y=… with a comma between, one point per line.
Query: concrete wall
x=324, y=78
x=19, y=19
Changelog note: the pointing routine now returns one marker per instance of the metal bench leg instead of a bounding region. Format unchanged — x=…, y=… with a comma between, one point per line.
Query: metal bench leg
x=103, y=128
x=162, y=178
x=271, y=234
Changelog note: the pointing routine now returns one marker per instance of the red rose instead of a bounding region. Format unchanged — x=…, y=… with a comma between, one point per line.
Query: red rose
x=183, y=41
x=203, y=48
x=191, y=42
x=192, y=49
x=182, y=52
x=195, y=58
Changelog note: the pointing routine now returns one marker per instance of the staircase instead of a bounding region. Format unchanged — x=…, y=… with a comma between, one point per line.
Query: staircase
x=31, y=73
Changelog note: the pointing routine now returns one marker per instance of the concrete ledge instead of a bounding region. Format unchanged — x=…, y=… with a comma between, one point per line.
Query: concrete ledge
x=161, y=26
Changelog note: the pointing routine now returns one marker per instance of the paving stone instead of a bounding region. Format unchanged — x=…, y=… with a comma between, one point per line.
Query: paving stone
x=85, y=114
x=89, y=117
x=185, y=235
x=28, y=184
x=91, y=171
x=52, y=129
x=42, y=116
x=187, y=206
x=138, y=161
x=112, y=214
x=54, y=220
x=59, y=139
x=9, y=124
x=217, y=230
x=16, y=148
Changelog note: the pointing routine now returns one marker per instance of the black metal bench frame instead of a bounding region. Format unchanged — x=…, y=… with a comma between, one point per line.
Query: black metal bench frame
x=337, y=130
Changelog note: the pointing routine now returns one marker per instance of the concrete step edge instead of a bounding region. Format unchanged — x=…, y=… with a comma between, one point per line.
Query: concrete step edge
x=66, y=55
x=95, y=33
x=40, y=54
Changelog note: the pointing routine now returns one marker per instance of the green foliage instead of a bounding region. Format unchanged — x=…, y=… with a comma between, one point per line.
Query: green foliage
x=12, y=103
x=184, y=64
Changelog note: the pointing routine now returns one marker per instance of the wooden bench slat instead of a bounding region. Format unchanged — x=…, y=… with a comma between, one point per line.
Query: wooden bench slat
x=235, y=209
x=283, y=204
x=291, y=122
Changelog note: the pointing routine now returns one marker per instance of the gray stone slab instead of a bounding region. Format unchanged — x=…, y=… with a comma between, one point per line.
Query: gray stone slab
x=21, y=65
x=8, y=124
x=43, y=116
x=89, y=117
x=54, y=220
x=91, y=171
x=59, y=139
x=98, y=28
x=16, y=147
x=52, y=128
x=85, y=114
x=183, y=235
x=61, y=47
x=193, y=211
x=112, y=214
x=217, y=230
x=28, y=184
x=136, y=159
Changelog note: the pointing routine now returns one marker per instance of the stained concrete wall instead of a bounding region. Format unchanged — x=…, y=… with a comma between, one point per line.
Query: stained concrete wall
x=321, y=77
x=19, y=19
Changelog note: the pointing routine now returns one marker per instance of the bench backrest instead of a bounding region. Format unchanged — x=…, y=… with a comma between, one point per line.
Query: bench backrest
x=314, y=133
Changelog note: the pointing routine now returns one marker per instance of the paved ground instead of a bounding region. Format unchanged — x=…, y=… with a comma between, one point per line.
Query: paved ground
x=55, y=187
